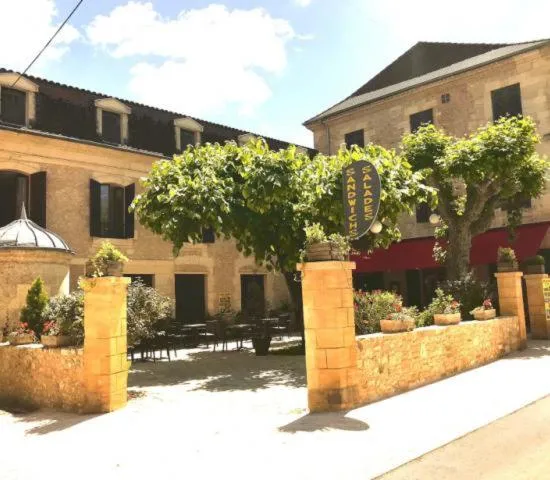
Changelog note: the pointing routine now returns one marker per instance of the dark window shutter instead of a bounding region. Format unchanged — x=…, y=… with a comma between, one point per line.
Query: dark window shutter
x=355, y=138
x=425, y=117
x=111, y=127
x=95, y=206
x=186, y=138
x=37, y=207
x=13, y=106
x=129, y=193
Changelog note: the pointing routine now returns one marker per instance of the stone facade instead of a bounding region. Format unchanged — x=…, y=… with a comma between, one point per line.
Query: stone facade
x=69, y=166
x=540, y=325
x=385, y=121
x=394, y=363
x=50, y=378
x=19, y=268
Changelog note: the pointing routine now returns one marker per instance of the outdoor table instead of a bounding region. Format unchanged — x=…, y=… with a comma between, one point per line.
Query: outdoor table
x=196, y=330
x=242, y=329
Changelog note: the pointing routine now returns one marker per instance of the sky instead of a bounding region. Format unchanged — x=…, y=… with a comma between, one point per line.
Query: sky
x=262, y=66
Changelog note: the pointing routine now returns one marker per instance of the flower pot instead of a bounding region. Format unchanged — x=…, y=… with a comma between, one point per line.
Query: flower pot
x=322, y=252
x=261, y=345
x=55, y=341
x=396, y=326
x=507, y=266
x=447, y=318
x=533, y=269
x=485, y=314
x=114, y=269
x=21, y=339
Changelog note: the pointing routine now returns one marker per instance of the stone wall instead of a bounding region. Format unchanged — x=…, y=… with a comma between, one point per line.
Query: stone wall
x=388, y=364
x=50, y=378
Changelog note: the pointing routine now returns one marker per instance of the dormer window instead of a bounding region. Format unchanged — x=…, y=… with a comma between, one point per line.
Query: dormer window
x=112, y=120
x=245, y=138
x=187, y=132
x=17, y=100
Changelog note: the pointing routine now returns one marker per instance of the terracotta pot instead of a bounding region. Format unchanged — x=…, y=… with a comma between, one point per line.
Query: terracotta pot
x=114, y=269
x=485, y=314
x=447, y=318
x=23, y=339
x=322, y=252
x=396, y=326
x=534, y=269
x=507, y=266
x=55, y=341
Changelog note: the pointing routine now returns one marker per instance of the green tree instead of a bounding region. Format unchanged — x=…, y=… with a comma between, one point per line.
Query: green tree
x=37, y=301
x=494, y=167
x=264, y=199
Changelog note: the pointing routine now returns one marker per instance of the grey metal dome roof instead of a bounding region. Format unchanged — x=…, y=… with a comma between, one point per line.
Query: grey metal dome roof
x=24, y=233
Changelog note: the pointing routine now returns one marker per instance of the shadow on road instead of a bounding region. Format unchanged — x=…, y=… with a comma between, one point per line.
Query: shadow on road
x=325, y=421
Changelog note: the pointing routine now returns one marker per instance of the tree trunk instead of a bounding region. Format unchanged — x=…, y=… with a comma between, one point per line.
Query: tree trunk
x=295, y=290
x=458, y=253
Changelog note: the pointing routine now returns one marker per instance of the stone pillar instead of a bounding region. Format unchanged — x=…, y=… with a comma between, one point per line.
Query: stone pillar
x=331, y=350
x=510, y=299
x=105, y=360
x=540, y=327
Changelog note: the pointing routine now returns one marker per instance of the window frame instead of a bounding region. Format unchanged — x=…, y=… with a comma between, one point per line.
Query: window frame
x=15, y=82
x=190, y=125
x=414, y=125
x=120, y=224
x=114, y=106
x=516, y=87
x=350, y=140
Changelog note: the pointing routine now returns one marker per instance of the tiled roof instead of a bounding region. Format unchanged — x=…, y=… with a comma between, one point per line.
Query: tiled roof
x=69, y=112
x=459, y=67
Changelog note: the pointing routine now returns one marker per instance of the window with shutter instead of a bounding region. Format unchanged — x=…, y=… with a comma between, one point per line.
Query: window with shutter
x=506, y=101
x=14, y=192
x=187, y=138
x=13, y=106
x=426, y=117
x=109, y=215
x=111, y=127
x=355, y=138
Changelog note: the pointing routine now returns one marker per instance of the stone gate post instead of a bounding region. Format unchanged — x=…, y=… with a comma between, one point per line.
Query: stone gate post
x=510, y=298
x=105, y=358
x=535, y=303
x=331, y=351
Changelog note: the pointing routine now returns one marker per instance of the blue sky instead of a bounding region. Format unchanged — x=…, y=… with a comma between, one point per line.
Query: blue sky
x=262, y=66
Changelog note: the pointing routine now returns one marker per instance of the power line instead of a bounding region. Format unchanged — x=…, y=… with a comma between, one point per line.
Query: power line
x=49, y=42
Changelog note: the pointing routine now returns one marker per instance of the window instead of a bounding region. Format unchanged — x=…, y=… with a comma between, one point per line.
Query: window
x=109, y=215
x=147, y=279
x=425, y=117
x=208, y=235
x=506, y=101
x=423, y=212
x=187, y=137
x=111, y=127
x=446, y=98
x=13, y=106
x=17, y=189
x=355, y=138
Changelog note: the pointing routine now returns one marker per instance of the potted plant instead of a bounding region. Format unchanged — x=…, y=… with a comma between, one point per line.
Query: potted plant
x=397, y=321
x=261, y=340
x=506, y=260
x=445, y=308
x=485, y=312
x=23, y=335
x=55, y=335
x=107, y=262
x=319, y=247
x=535, y=264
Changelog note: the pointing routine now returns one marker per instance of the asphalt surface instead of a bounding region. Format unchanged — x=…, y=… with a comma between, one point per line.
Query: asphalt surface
x=515, y=447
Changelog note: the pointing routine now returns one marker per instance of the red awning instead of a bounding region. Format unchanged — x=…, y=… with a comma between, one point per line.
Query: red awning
x=416, y=253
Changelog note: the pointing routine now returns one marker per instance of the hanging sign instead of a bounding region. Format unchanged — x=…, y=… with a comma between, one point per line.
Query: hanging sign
x=361, y=186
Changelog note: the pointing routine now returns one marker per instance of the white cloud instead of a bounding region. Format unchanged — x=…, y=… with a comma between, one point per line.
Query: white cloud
x=26, y=27
x=199, y=62
x=303, y=3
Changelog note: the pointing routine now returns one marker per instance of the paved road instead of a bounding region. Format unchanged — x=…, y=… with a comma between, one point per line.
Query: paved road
x=515, y=447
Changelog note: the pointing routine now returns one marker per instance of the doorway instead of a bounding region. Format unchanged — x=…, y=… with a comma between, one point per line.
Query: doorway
x=253, y=295
x=190, y=298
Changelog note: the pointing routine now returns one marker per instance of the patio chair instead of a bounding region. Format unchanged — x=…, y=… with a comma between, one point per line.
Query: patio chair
x=217, y=332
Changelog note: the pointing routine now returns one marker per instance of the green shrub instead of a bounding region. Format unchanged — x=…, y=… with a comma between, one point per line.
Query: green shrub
x=32, y=312
x=148, y=312
x=104, y=258
x=65, y=314
x=536, y=260
x=469, y=291
x=506, y=255
x=371, y=307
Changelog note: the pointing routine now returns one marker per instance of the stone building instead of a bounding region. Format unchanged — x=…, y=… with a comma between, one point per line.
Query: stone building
x=74, y=157
x=458, y=87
